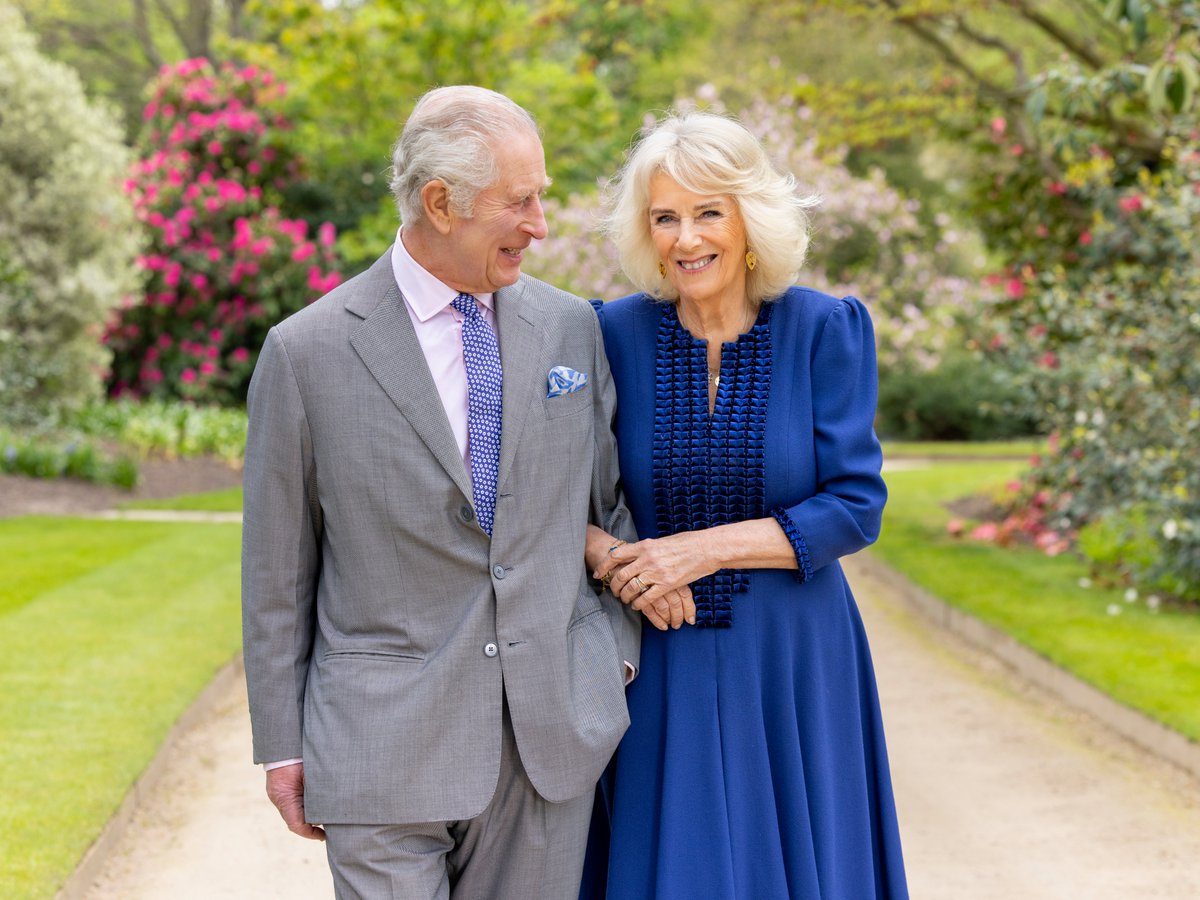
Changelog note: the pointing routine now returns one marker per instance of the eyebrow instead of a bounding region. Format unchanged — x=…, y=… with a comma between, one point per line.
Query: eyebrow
x=708, y=204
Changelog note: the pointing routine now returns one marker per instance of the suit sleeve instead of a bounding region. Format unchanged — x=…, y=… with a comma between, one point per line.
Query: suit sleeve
x=608, y=509
x=846, y=512
x=280, y=554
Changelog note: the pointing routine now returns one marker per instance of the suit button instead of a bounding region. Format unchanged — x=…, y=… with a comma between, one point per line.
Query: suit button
x=467, y=513
x=498, y=571
x=490, y=650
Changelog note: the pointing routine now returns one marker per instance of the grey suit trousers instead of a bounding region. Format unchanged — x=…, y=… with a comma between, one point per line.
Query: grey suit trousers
x=521, y=847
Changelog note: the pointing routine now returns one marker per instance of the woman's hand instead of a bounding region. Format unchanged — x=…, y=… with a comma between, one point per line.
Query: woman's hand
x=668, y=609
x=653, y=569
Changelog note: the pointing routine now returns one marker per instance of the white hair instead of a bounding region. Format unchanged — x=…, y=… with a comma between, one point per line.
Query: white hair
x=710, y=154
x=451, y=136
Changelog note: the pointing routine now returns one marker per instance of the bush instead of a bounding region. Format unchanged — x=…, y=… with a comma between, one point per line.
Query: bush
x=962, y=399
x=170, y=429
x=73, y=457
x=224, y=263
x=67, y=233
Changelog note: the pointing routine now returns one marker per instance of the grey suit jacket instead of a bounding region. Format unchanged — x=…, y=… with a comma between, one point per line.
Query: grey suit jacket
x=371, y=594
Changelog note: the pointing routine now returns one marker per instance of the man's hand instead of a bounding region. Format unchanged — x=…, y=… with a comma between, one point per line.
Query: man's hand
x=285, y=788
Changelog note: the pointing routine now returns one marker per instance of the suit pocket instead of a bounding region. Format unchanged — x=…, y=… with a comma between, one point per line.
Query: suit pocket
x=377, y=655
x=568, y=404
x=597, y=678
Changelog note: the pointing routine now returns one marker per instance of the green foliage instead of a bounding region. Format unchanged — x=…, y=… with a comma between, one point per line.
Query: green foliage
x=1082, y=123
x=67, y=237
x=1141, y=653
x=585, y=71
x=964, y=398
x=117, y=46
x=169, y=429
x=106, y=636
x=1100, y=306
x=43, y=457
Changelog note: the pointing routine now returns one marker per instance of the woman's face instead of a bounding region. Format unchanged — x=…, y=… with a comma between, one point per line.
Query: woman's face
x=701, y=240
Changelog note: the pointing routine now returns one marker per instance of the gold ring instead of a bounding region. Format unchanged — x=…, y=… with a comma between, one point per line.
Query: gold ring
x=615, y=546
x=645, y=587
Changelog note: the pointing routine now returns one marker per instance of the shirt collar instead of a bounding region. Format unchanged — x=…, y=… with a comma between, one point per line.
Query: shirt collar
x=426, y=295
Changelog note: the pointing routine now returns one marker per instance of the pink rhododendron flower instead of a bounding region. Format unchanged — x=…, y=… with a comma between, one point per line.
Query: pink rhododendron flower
x=188, y=376
x=1130, y=203
x=985, y=532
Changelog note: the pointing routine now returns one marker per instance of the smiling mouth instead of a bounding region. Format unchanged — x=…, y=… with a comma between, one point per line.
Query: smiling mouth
x=695, y=265
x=514, y=252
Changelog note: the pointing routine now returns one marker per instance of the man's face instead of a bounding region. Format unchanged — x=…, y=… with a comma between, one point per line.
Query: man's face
x=489, y=246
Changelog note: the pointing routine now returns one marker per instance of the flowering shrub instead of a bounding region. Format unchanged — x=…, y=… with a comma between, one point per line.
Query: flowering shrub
x=224, y=263
x=1099, y=313
x=67, y=235
x=867, y=240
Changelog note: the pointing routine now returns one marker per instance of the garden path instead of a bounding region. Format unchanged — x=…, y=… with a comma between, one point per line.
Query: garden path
x=1002, y=793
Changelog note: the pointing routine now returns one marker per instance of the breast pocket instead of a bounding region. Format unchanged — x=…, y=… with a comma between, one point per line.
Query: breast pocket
x=568, y=404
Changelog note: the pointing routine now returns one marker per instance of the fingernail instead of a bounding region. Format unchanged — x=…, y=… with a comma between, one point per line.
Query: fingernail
x=691, y=620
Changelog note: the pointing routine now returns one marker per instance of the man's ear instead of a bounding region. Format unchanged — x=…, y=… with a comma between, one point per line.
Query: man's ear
x=435, y=200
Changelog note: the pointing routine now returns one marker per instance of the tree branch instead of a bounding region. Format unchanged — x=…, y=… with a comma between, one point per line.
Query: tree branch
x=995, y=43
x=1054, y=30
x=141, y=29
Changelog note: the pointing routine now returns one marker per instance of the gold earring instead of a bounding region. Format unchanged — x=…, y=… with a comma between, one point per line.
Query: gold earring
x=751, y=260
x=662, y=270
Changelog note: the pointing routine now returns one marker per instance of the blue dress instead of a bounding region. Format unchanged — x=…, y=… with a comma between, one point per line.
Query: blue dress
x=755, y=765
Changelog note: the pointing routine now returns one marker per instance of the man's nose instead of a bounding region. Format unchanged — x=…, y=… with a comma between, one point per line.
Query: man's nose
x=535, y=225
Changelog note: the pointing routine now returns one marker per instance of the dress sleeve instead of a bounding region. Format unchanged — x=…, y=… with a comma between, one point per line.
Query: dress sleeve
x=846, y=512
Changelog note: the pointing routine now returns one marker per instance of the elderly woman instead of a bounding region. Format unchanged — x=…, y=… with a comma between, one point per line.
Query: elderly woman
x=755, y=765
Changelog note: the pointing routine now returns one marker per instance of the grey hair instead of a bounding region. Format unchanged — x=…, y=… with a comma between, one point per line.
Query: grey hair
x=450, y=136
x=710, y=154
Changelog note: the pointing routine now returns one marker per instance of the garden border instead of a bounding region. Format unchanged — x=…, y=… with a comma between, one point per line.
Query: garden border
x=1157, y=738
x=88, y=870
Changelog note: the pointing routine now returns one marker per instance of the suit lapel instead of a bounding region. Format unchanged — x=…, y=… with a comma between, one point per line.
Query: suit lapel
x=520, y=343
x=387, y=344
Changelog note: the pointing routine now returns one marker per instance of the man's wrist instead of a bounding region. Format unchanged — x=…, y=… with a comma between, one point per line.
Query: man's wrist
x=267, y=767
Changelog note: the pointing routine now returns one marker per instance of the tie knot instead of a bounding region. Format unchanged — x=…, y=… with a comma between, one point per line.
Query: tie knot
x=466, y=305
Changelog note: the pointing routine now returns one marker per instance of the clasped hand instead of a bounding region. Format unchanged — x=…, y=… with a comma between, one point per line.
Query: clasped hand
x=653, y=576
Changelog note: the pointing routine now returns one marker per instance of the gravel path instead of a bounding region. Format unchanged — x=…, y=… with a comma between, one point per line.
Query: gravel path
x=1002, y=793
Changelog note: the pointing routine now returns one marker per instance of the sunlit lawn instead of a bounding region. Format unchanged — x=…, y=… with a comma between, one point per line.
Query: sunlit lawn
x=227, y=500
x=1147, y=660
x=1016, y=449
x=108, y=631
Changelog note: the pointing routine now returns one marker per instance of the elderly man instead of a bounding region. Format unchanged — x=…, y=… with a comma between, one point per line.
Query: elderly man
x=431, y=676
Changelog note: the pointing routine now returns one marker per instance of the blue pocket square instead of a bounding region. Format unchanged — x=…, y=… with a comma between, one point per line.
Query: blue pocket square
x=565, y=381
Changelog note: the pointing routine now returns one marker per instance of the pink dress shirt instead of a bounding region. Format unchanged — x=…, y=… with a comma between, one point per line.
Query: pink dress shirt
x=439, y=331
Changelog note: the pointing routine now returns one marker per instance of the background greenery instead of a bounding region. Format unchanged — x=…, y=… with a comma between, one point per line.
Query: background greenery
x=102, y=646
x=1012, y=187
x=1133, y=647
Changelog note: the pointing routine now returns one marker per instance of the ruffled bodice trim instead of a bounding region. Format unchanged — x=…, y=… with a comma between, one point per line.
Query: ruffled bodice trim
x=708, y=469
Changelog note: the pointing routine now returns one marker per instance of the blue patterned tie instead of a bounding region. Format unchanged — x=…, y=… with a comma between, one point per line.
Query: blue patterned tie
x=485, y=380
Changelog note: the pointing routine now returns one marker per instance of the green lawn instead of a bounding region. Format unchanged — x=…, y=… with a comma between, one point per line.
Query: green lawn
x=227, y=500
x=1017, y=449
x=108, y=631
x=1150, y=661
